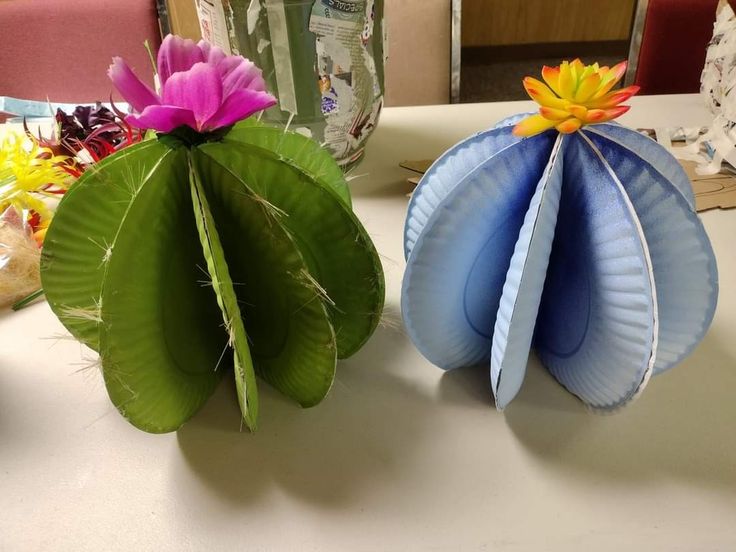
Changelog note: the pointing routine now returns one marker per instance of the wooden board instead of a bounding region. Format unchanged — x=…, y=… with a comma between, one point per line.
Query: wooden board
x=183, y=18
x=510, y=22
x=418, y=66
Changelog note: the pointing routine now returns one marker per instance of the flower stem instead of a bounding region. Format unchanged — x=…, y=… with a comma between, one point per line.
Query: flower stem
x=152, y=58
x=27, y=300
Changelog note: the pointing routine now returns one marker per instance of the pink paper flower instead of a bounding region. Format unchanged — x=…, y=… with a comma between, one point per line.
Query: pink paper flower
x=201, y=88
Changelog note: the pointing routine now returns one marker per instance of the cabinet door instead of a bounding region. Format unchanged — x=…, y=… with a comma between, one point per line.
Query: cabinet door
x=509, y=22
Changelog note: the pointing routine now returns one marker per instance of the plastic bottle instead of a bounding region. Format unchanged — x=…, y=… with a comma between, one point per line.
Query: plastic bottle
x=322, y=58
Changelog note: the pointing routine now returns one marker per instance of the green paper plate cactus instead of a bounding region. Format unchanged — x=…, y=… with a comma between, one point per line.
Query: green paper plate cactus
x=215, y=245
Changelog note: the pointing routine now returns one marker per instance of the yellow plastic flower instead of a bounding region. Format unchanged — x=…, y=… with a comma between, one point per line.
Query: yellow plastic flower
x=575, y=95
x=28, y=174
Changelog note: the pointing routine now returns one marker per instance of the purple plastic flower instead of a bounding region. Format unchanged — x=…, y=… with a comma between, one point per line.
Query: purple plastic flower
x=201, y=88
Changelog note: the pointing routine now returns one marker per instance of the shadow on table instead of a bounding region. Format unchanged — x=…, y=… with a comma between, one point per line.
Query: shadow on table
x=6, y=312
x=364, y=436
x=466, y=387
x=681, y=428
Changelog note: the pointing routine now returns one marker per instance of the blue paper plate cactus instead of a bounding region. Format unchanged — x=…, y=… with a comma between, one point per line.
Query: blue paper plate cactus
x=566, y=232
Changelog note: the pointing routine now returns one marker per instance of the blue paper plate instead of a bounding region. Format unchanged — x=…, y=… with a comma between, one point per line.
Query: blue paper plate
x=685, y=272
x=586, y=245
x=522, y=292
x=456, y=269
x=597, y=326
x=445, y=173
x=651, y=152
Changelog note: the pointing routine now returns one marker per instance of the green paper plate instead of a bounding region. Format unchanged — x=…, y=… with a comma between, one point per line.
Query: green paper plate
x=337, y=249
x=292, y=148
x=292, y=341
x=162, y=338
x=156, y=246
x=85, y=229
x=245, y=379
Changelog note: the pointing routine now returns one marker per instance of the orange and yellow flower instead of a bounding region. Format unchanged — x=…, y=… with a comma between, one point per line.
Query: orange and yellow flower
x=575, y=95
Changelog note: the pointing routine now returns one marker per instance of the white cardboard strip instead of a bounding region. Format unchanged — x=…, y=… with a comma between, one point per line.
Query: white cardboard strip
x=282, y=55
x=213, y=25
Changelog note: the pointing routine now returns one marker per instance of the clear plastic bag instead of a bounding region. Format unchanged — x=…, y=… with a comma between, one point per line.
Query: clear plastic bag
x=20, y=258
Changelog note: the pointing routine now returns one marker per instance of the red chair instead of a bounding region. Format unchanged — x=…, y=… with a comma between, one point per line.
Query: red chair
x=60, y=49
x=668, y=45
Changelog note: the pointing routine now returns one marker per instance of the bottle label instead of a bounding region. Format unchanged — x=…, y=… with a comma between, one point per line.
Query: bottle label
x=211, y=14
x=348, y=81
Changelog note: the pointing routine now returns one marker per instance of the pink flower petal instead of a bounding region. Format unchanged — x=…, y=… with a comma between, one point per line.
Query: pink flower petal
x=177, y=54
x=162, y=118
x=237, y=72
x=199, y=90
x=137, y=93
x=239, y=105
x=211, y=54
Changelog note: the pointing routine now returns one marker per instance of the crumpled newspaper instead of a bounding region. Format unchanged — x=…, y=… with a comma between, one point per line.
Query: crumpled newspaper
x=717, y=146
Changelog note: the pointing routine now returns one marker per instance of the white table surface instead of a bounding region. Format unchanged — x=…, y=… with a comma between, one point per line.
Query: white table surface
x=400, y=456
